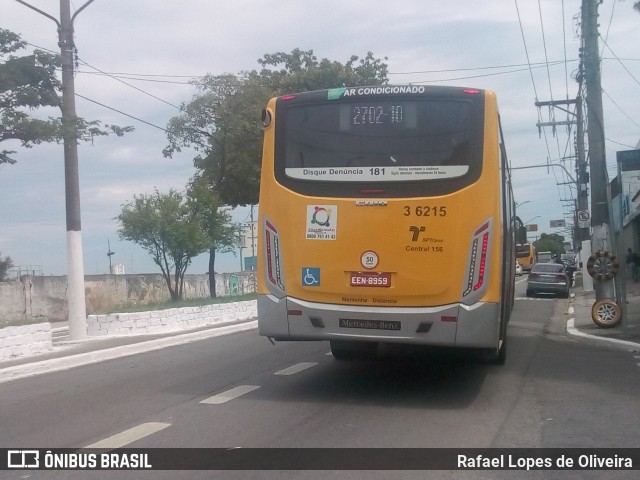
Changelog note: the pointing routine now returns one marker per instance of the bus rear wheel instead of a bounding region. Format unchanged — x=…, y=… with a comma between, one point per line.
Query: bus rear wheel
x=497, y=356
x=346, y=350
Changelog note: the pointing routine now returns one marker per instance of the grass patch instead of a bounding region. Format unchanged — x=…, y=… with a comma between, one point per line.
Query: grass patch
x=19, y=322
x=194, y=302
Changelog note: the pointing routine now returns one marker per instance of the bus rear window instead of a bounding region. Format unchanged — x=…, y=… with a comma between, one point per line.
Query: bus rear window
x=381, y=140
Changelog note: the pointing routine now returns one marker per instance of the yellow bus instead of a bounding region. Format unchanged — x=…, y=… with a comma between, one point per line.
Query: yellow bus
x=526, y=255
x=386, y=216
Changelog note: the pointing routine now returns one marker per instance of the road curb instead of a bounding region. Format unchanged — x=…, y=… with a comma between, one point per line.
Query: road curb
x=71, y=361
x=597, y=340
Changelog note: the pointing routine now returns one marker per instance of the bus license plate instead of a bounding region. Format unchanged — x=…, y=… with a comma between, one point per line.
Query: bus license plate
x=370, y=279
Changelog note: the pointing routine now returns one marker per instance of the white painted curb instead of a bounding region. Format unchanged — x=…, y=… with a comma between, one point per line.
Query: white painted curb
x=613, y=342
x=87, y=358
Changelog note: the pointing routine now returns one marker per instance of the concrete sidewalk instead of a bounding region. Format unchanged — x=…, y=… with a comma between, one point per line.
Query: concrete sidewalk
x=625, y=335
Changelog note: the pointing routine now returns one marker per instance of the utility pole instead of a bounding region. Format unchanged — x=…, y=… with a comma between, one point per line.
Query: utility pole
x=77, y=310
x=582, y=177
x=600, y=218
x=110, y=254
x=579, y=234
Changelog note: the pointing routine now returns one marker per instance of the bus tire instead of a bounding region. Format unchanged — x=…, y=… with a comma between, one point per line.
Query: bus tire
x=602, y=265
x=346, y=350
x=501, y=355
x=498, y=355
x=494, y=356
x=606, y=313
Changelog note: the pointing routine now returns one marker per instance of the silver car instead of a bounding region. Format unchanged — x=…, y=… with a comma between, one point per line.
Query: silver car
x=548, y=278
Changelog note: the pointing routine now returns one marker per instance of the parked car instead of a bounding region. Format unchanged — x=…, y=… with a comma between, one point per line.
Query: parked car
x=548, y=278
x=518, y=268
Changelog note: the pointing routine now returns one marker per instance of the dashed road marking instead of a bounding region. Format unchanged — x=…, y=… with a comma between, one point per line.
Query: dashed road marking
x=129, y=436
x=224, y=397
x=296, y=368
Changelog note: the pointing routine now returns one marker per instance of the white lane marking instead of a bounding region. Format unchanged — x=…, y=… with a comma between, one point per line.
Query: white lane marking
x=296, y=368
x=129, y=436
x=224, y=397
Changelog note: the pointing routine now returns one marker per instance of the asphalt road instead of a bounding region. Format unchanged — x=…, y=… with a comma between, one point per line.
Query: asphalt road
x=241, y=391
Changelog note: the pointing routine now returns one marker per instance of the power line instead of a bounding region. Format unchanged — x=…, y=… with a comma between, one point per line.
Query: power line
x=620, y=62
x=139, y=78
x=489, y=67
x=620, y=108
x=129, y=85
x=121, y=112
x=474, y=76
x=526, y=51
x=564, y=50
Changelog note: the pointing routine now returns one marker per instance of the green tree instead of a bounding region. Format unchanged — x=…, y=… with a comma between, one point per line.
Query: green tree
x=28, y=83
x=166, y=227
x=300, y=71
x=5, y=264
x=553, y=243
x=221, y=123
x=215, y=221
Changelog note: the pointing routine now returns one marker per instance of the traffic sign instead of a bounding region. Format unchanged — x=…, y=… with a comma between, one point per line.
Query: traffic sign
x=584, y=218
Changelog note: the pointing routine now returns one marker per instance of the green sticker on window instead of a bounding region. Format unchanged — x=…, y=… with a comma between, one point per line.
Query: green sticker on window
x=335, y=93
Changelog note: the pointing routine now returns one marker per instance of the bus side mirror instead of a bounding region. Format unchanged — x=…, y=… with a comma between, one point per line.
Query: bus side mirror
x=266, y=117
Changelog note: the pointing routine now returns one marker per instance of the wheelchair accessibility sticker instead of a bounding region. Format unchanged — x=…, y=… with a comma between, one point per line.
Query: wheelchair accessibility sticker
x=310, y=277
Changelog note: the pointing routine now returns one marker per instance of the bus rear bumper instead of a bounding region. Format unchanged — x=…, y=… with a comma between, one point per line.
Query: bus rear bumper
x=454, y=325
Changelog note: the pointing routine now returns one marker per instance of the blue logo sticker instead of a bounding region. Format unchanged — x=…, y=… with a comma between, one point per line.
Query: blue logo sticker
x=310, y=277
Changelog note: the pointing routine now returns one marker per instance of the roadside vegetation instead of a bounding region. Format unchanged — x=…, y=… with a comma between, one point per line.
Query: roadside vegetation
x=19, y=322
x=194, y=302
x=221, y=124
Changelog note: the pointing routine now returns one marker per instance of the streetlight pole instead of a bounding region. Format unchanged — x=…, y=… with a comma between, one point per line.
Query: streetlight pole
x=77, y=310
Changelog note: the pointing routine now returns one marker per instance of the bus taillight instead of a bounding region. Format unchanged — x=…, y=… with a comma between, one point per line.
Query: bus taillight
x=483, y=261
x=477, y=263
x=273, y=266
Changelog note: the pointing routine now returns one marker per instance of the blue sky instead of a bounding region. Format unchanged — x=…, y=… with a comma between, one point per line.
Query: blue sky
x=151, y=50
